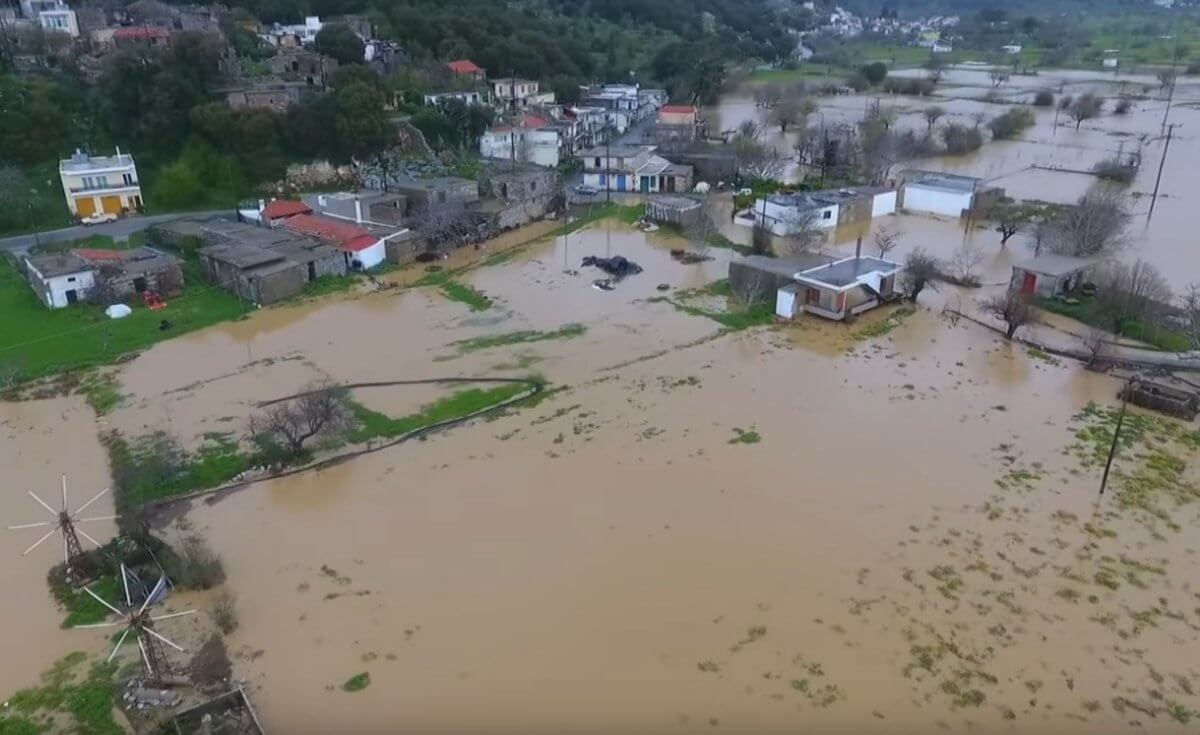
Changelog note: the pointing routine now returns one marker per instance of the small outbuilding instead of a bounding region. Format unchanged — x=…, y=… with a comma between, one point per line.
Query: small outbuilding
x=1049, y=275
x=60, y=279
x=681, y=211
x=840, y=289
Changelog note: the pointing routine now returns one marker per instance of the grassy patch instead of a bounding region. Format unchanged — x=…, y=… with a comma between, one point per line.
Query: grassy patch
x=884, y=327
x=102, y=392
x=745, y=436
x=84, y=701
x=626, y=213
x=569, y=331
x=1087, y=312
x=82, y=608
x=47, y=341
x=1039, y=354
x=734, y=317
x=374, y=425
x=357, y=683
x=456, y=291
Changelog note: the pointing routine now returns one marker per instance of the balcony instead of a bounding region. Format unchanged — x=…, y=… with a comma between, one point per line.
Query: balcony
x=113, y=187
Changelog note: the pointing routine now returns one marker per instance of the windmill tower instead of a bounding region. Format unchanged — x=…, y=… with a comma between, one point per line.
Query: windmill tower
x=65, y=522
x=138, y=621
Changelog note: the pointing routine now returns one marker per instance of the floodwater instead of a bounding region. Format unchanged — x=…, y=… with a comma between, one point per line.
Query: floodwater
x=883, y=526
x=1051, y=162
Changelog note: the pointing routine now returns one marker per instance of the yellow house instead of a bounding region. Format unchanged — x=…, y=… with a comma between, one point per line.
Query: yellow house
x=95, y=184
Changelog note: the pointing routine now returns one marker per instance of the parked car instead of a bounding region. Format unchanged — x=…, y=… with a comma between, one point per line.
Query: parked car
x=586, y=190
x=98, y=218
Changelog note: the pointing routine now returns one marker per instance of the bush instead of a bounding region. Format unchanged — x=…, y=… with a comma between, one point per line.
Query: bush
x=1011, y=124
x=961, y=139
x=1065, y=102
x=913, y=87
x=199, y=566
x=1124, y=105
x=1115, y=171
x=858, y=82
x=875, y=72
x=1044, y=98
x=224, y=612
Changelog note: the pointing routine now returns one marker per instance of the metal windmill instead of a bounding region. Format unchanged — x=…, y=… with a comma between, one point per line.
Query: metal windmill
x=65, y=522
x=137, y=620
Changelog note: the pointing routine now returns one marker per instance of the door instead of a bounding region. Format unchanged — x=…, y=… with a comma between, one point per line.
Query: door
x=645, y=184
x=620, y=182
x=85, y=206
x=111, y=204
x=139, y=284
x=72, y=296
x=1029, y=285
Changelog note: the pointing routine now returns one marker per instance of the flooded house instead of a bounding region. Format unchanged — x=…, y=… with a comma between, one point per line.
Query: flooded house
x=944, y=194
x=782, y=214
x=816, y=284
x=1049, y=275
x=361, y=246
x=633, y=169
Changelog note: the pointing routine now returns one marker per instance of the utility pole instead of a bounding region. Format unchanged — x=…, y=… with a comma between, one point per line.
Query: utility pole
x=1112, y=450
x=1158, y=179
x=512, y=136
x=607, y=166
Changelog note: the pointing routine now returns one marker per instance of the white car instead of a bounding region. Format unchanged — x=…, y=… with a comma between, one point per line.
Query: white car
x=586, y=190
x=98, y=218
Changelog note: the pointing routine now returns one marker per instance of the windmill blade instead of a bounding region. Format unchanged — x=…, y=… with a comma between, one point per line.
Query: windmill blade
x=64, y=493
x=99, y=495
x=125, y=583
x=152, y=632
x=94, y=518
x=39, y=541
x=100, y=599
x=173, y=615
x=43, y=503
x=153, y=593
x=145, y=657
x=42, y=524
x=120, y=642
x=83, y=533
x=99, y=625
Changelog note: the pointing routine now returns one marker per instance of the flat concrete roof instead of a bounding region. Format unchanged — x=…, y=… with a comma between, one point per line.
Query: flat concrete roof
x=242, y=255
x=941, y=180
x=1050, y=264
x=51, y=265
x=787, y=267
x=846, y=272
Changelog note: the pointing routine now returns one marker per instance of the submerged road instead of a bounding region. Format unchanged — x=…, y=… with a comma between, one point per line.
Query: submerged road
x=119, y=230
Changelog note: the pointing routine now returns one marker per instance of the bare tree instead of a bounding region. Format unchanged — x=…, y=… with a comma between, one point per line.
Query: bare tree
x=886, y=240
x=1085, y=107
x=293, y=422
x=1166, y=80
x=1135, y=290
x=758, y=160
x=932, y=115
x=1096, y=225
x=963, y=263
x=1190, y=303
x=754, y=289
x=921, y=271
x=768, y=95
x=700, y=229
x=1013, y=308
x=999, y=76
x=1094, y=341
x=803, y=232
x=444, y=221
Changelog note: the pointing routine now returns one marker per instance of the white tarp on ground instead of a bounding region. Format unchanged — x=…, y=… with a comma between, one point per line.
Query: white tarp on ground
x=872, y=281
x=118, y=311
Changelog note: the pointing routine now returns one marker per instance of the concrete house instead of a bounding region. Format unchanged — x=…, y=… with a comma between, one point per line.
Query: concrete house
x=297, y=64
x=364, y=207
x=467, y=97
x=633, y=168
x=93, y=184
x=526, y=138
x=853, y=205
x=1049, y=275
x=361, y=248
x=467, y=68
x=261, y=264
x=783, y=214
x=130, y=273
x=60, y=279
x=133, y=36
x=60, y=19
x=276, y=96
x=434, y=191
x=840, y=289
x=516, y=94
x=947, y=195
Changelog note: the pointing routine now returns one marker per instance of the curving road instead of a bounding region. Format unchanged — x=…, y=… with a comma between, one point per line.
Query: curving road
x=119, y=230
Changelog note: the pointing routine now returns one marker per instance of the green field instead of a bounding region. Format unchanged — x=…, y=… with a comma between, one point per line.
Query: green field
x=44, y=341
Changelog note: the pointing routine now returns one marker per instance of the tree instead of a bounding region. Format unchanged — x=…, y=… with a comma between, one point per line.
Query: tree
x=1166, y=80
x=757, y=160
x=447, y=221
x=998, y=76
x=700, y=229
x=874, y=72
x=1011, y=216
x=1097, y=225
x=1094, y=340
x=932, y=115
x=1189, y=301
x=1013, y=308
x=886, y=240
x=966, y=258
x=936, y=67
x=1043, y=98
x=803, y=231
x=960, y=139
x=920, y=272
x=792, y=111
x=338, y=42
x=1131, y=291
x=362, y=122
x=768, y=95
x=1085, y=107
x=1011, y=124
x=295, y=421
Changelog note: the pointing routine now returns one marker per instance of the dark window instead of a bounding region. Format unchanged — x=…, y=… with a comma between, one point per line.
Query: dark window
x=70, y=279
x=827, y=214
x=597, y=163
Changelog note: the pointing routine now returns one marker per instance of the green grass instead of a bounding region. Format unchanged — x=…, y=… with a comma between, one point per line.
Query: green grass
x=43, y=208
x=357, y=683
x=735, y=317
x=569, y=331
x=84, y=701
x=456, y=291
x=889, y=323
x=141, y=475
x=375, y=425
x=1088, y=312
x=626, y=213
x=82, y=608
x=47, y=341
x=745, y=436
x=326, y=285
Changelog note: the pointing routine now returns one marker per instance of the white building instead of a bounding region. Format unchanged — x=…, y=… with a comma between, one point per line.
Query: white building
x=60, y=279
x=516, y=93
x=948, y=195
x=59, y=20
x=93, y=184
x=1011, y=48
x=32, y=9
x=527, y=138
x=468, y=97
x=633, y=169
x=784, y=214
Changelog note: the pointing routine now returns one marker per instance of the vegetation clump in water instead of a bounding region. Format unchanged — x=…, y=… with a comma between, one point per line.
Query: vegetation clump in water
x=357, y=683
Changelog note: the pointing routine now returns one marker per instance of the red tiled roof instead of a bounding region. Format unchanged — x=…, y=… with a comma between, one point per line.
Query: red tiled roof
x=278, y=208
x=522, y=121
x=94, y=255
x=360, y=243
x=329, y=230
x=141, y=32
x=677, y=109
x=464, y=66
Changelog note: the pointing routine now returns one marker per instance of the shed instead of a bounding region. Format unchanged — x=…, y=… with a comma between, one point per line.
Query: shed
x=60, y=279
x=935, y=192
x=681, y=211
x=843, y=288
x=1049, y=275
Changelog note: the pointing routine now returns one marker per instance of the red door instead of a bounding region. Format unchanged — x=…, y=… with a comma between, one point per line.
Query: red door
x=1030, y=284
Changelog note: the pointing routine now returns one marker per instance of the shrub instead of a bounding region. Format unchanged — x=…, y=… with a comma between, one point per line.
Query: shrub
x=875, y=72
x=199, y=566
x=224, y=612
x=1011, y=124
x=1114, y=170
x=1065, y=101
x=914, y=87
x=1123, y=106
x=961, y=139
x=1044, y=98
x=858, y=82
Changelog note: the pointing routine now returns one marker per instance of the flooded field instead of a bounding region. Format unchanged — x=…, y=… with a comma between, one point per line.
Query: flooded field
x=886, y=526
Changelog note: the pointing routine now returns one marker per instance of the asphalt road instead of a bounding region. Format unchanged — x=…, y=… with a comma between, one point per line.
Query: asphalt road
x=119, y=230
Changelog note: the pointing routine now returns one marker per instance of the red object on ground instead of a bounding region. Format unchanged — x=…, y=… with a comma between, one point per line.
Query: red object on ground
x=153, y=301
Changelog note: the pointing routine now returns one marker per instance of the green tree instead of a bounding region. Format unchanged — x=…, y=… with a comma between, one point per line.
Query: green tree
x=362, y=121
x=337, y=41
x=875, y=72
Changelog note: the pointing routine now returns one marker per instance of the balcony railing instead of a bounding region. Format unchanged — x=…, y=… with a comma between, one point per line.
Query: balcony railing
x=106, y=187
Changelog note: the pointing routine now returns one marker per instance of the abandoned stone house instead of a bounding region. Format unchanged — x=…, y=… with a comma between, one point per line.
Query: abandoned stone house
x=276, y=96
x=102, y=276
x=294, y=64
x=264, y=265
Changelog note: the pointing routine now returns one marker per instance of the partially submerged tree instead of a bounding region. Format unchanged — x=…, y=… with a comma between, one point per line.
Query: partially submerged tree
x=768, y=95
x=932, y=114
x=886, y=240
x=920, y=272
x=1013, y=308
x=1097, y=225
x=1085, y=107
x=1044, y=98
x=803, y=231
x=960, y=139
x=293, y=422
x=875, y=72
x=1012, y=216
x=1011, y=123
x=964, y=262
x=792, y=112
x=700, y=229
x=1132, y=291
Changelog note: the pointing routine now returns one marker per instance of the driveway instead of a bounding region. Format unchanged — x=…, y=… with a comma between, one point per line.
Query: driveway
x=119, y=230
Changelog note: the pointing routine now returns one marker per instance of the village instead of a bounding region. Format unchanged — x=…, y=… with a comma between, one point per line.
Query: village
x=854, y=400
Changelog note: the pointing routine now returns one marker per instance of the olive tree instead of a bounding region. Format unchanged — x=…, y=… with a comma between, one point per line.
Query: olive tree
x=1013, y=308
x=292, y=422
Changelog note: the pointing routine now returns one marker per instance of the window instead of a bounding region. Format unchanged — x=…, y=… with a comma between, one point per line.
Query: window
x=827, y=214
x=70, y=279
x=597, y=163
x=128, y=179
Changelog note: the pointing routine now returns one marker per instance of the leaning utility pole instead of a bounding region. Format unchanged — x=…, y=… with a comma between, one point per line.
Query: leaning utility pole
x=1162, y=162
x=1112, y=450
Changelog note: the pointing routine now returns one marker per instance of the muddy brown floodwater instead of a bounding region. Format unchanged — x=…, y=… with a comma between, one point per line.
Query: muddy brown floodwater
x=887, y=526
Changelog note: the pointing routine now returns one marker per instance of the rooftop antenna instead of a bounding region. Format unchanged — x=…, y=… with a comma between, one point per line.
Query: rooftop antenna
x=138, y=621
x=65, y=522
